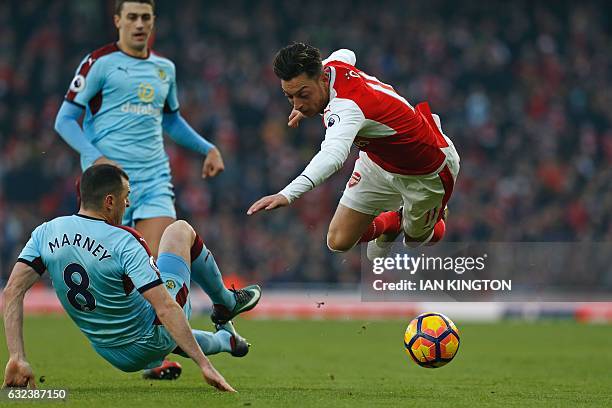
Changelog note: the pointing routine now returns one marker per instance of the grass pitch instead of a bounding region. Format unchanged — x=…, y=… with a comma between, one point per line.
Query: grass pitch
x=345, y=364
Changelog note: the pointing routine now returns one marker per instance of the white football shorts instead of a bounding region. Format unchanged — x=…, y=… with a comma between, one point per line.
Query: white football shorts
x=372, y=190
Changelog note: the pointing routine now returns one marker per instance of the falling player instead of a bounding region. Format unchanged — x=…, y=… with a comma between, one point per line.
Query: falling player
x=128, y=94
x=133, y=311
x=406, y=169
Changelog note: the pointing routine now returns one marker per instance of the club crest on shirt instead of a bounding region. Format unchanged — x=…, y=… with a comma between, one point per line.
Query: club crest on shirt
x=146, y=92
x=355, y=178
x=77, y=84
x=162, y=74
x=170, y=284
x=332, y=120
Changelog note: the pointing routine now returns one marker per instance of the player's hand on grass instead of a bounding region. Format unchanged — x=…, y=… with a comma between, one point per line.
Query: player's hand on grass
x=294, y=118
x=213, y=164
x=18, y=373
x=268, y=203
x=212, y=377
x=104, y=160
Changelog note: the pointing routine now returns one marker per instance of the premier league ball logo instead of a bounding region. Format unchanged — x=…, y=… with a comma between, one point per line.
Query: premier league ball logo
x=77, y=84
x=333, y=119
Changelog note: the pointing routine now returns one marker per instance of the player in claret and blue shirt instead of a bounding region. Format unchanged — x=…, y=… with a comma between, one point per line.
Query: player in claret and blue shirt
x=133, y=310
x=129, y=95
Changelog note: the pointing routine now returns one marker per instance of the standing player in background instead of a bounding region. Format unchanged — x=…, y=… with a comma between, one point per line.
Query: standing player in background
x=128, y=95
x=132, y=312
x=406, y=164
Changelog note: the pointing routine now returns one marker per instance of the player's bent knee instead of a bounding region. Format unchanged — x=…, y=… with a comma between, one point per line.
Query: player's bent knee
x=180, y=229
x=177, y=238
x=183, y=225
x=338, y=243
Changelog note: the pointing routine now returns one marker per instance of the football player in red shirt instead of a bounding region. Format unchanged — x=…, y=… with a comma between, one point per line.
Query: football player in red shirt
x=406, y=169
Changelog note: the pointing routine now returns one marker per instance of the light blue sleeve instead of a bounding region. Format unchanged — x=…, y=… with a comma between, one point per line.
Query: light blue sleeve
x=179, y=130
x=31, y=254
x=87, y=82
x=172, y=103
x=138, y=265
x=67, y=125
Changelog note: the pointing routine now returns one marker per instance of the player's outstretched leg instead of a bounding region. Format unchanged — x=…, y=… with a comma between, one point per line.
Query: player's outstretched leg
x=227, y=303
x=239, y=345
x=225, y=340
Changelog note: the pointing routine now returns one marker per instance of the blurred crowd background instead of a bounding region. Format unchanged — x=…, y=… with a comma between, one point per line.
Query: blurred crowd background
x=522, y=87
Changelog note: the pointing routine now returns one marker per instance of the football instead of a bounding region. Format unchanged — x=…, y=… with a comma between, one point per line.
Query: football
x=431, y=340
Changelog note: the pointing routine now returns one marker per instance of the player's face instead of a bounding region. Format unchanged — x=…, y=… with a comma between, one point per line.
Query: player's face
x=307, y=95
x=135, y=25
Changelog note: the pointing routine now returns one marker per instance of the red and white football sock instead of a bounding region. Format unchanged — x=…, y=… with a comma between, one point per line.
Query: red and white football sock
x=389, y=222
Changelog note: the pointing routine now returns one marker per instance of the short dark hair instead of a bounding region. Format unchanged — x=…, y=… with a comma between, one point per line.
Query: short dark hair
x=296, y=59
x=99, y=181
x=119, y=4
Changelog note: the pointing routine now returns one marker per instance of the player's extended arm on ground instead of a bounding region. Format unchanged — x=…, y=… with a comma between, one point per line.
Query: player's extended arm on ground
x=67, y=125
x=179, y=130
x=18, y=372
x=172, y=317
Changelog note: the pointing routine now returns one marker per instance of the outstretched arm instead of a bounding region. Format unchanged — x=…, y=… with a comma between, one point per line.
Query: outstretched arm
x=179, y=130
x=341, y=131
x=172, y=317
x=18, y=372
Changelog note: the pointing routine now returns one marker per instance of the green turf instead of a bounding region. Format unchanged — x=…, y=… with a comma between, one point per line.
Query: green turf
x=347, y=364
